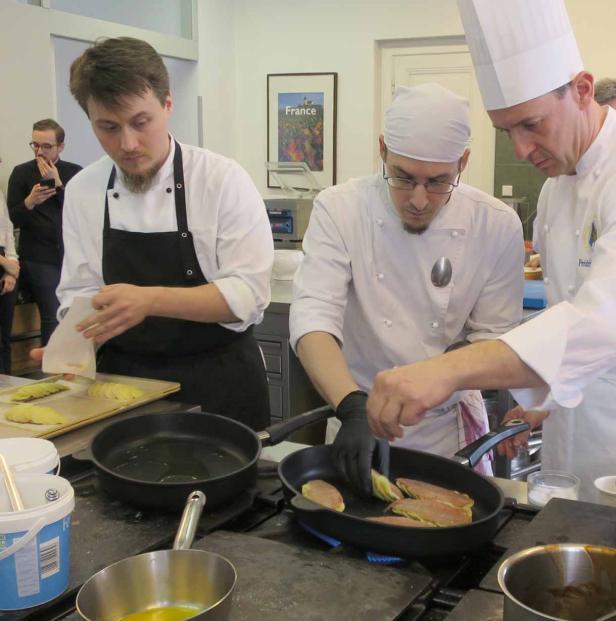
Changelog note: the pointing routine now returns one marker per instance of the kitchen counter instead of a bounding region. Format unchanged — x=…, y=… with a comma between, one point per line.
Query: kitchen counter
x=282, y=296
x=279, y=563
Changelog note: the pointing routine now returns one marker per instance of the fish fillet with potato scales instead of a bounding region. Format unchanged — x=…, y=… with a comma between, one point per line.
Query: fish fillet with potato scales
x=427, y=491
x=323, y=493
x=432, y=511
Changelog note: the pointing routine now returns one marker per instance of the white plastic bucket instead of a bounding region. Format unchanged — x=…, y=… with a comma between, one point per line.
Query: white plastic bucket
x=30, y=455
x=35, y=542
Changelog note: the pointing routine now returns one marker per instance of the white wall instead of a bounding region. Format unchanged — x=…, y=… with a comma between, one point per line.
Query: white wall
x=277, y=36
x=28, y=79
x=240, y=42
x=217, y=68
x=593, y=22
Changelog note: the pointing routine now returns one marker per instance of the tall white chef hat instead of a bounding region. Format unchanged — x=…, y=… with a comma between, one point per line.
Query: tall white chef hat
x=521, y=49
x=427, y=122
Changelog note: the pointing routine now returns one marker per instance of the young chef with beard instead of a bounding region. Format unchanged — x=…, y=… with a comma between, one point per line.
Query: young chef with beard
x=534, y=88
x=363, y=296
x=172, y=241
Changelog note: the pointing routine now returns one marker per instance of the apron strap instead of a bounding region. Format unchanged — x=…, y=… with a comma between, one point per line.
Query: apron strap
x=188, y=256
x=110, y=184
x=187, y=247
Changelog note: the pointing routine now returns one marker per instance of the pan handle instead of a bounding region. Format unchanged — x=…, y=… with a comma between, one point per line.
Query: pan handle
x=471, y=454
x=190, y=520
x=278, y=432
x=84, y=454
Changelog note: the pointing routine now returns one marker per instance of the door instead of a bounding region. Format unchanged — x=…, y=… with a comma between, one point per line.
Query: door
x=450, y=66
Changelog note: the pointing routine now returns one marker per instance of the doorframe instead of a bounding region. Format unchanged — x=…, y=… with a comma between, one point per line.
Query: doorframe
x=385, y=51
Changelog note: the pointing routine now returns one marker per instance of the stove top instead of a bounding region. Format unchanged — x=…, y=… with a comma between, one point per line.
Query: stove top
x=286, y=559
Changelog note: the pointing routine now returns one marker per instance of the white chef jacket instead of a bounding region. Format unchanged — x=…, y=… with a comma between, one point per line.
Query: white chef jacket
x=7, y=237
x=572, y=345
x=366, y=281
x=226, y=216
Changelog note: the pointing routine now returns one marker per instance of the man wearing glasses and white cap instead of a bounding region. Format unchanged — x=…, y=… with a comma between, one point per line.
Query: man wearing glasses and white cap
x=364, y=299
x=534, y=87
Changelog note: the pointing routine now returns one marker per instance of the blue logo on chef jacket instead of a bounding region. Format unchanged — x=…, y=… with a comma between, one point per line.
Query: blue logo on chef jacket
x=592, y=238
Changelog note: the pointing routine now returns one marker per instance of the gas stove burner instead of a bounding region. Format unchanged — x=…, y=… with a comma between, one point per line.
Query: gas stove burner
x=372, y=557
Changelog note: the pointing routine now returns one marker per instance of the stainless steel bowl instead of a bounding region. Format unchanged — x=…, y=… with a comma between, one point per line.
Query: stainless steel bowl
x=560, y=582
x=203, y=581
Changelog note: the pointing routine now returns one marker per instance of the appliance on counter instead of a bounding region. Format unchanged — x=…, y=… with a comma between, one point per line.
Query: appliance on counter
x=289, y=219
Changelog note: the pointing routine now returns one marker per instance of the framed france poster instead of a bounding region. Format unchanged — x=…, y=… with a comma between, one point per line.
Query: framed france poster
x=301, y=122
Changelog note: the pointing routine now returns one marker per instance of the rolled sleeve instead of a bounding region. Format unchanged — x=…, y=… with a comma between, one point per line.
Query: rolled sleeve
x=244, y=250
x=572, y=343
x=322, y=280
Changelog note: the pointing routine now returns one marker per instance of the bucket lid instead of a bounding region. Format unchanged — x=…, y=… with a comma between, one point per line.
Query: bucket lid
x=29, y=453
x=33, y=489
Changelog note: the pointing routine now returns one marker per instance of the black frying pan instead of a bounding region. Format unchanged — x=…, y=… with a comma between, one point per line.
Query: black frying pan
x=425, y=543
x=155, y=460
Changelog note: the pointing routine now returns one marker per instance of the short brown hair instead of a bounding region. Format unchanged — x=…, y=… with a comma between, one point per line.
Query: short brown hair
x=115, y=68
x=605, y=90
x=44, y=124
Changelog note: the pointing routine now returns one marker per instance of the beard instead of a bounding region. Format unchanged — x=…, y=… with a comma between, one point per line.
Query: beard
x=420, y=230
x=139, y=183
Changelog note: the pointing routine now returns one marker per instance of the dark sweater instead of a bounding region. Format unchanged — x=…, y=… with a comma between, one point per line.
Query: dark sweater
x=40, y=229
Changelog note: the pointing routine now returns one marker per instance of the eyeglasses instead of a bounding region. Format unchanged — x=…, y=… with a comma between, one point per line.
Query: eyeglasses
x=432, y=187
x=35, y=146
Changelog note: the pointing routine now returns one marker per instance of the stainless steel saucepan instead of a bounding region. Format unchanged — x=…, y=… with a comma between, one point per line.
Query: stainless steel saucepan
x=560, y=582
x=167, y=585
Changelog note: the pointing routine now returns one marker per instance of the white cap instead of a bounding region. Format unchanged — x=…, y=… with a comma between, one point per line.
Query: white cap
x=521, y=49
x=428, y=123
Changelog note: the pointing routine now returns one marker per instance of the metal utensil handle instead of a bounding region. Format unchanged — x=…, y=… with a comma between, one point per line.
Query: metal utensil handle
x=190, y=520
x=11, y=487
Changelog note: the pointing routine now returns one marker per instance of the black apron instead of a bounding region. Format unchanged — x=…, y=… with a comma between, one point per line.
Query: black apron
x=217, y=368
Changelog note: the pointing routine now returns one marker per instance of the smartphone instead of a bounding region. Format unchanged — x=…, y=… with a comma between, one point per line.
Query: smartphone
x=48, y=183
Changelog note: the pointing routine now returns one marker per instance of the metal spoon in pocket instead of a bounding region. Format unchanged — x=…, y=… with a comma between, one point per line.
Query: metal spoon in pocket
x=441, y=272
x=11, y=487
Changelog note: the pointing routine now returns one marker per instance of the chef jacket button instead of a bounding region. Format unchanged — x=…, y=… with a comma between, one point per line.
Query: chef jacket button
x=546, y=281
x=379, y=221
x=184, y=234
x=577, y=232
x=116, y=195
x=168, y=190
x=388, y=322
x=597, y=172
x=434, y=324
x=546, y=228
x=189, y=272
x=454, y=234
x=380, y=276
x=571, y=288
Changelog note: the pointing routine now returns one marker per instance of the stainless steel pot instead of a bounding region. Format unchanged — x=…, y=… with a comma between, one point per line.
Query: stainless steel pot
x=560, y=582
x=181, y=577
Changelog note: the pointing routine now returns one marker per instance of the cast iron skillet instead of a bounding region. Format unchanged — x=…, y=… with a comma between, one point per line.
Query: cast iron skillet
x=422, y=543
x=155, y=460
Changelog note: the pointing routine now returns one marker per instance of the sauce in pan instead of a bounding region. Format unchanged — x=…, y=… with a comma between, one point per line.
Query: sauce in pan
x=163, y=613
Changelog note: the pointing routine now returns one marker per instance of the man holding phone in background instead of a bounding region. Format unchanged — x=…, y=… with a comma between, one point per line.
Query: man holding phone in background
x=35, y=199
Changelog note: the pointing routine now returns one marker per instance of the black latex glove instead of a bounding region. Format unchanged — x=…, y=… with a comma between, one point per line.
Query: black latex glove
x=355, y=449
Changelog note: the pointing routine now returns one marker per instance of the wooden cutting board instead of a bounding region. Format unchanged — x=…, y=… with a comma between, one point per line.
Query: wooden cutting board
x=77, y=406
